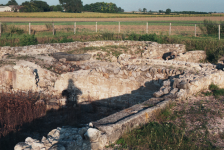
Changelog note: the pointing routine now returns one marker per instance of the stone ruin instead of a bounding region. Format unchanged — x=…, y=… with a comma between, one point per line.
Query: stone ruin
x=138, y=86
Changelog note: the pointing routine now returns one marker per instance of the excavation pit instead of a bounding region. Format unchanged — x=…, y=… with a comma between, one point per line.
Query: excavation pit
x=110, y=92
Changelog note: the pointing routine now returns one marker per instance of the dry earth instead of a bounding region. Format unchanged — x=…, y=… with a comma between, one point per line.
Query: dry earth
x=123, y=29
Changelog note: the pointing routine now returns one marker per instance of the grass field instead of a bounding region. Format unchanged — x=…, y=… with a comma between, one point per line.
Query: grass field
x=93, y=15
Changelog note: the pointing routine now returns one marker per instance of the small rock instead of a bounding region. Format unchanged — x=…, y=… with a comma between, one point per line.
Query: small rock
x=158, y=94
x=125, y=72
x=166, y=83
x=63, y=60
x=116, y=70
x=174, y=91
x=148, y=75
x=90, y=124
x=82, y=131
x=183, y=85
x=166, y=90
x=92, y=134
x=22, y=146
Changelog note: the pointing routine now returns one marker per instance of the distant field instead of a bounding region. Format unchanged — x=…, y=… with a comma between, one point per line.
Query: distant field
x=94, y=15
x=161, y=23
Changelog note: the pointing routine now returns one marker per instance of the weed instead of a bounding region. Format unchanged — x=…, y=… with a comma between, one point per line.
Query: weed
x=216, y=91
x=150, y=37
x=49, y=26
x=221, y=135
x=108, y=36
x=28, y=40
x=210, y=27
x=4, y=27
x=207, y=93
x=13, y=29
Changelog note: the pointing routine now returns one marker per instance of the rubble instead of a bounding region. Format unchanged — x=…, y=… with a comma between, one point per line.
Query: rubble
x=143, y=84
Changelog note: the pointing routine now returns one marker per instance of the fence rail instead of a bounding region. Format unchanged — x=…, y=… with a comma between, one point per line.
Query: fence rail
x=158, y=27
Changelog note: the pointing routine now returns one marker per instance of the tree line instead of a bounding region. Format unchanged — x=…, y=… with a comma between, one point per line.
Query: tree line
x=66, y=5
x=103, y=7
x=77, y=7
x=168, y=11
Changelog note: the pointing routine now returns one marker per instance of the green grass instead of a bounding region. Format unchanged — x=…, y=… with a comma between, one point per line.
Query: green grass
x=157, y=136
x=163, y=134
x=215, y=91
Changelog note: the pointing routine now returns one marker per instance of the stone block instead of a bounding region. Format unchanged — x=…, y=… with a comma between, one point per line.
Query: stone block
x=158, y=94
x=166, y=83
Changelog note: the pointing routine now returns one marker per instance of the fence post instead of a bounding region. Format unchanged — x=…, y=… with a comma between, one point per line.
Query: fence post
x=147, y=28
x=29, y=28
x=74, y=27
x=96, y=26
x=53, y=28
x=119, y=28
x=0, y=29
x=219, y=32
x=195, y=30
x=170, y=30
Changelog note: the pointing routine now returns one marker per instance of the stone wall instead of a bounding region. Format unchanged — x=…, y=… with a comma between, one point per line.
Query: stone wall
x=154, y=50
x=146, y=85
x=192, y=56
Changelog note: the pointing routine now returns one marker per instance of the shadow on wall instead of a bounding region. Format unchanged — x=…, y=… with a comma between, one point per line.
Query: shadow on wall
x=71, y=94
x=77, y=116
x=137, y=96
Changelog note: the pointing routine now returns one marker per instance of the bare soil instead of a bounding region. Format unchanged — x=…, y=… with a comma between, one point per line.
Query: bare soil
x=115, y=29
x=202, y=114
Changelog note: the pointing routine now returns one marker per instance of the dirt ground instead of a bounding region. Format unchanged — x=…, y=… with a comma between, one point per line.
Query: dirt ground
x=203, y=113
x=123, y=28
x=113, y=19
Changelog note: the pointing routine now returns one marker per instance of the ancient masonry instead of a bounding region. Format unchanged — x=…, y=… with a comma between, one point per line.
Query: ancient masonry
x=143, y=85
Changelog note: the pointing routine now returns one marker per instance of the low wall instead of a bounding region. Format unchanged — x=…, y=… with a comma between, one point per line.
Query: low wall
x=153, y=49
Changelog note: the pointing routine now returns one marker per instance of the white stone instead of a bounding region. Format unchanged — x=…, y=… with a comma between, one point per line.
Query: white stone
x=22, y=146
x=92, y=134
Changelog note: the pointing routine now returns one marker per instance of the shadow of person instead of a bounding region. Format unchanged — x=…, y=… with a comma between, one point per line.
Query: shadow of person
x=71, y=94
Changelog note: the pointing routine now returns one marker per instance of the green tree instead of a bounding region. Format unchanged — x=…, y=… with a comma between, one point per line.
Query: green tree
x=72, y=5
x=168, y=11
x=144, y=10
x=56, y=8
x=43, y=6
x=29, y=7
x=102, y=7
x=12, y=2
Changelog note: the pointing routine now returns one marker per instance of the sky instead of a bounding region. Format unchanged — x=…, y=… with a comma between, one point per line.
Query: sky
x=155, y=5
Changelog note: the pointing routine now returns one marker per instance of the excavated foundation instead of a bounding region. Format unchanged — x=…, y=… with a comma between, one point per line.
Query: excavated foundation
x=111, y=96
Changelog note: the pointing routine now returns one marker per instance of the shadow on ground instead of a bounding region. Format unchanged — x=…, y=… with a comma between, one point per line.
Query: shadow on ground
x=75, y=115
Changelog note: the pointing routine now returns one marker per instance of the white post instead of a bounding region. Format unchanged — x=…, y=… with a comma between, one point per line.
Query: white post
x=0, y=29
x=29, y=28
x=195, y=30
x=219, y=32
x=53, y=28
x=170, y=30
x=96, y=26
x=119, y=27
x=147, y=28
x=74, y=27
